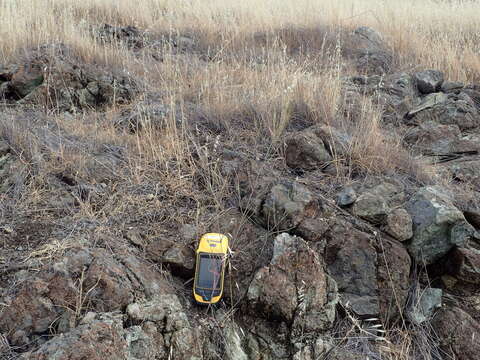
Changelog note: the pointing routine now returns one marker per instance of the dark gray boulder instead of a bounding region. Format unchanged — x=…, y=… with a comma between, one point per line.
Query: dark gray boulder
x=306, y=151
x=438, y=225
x=429, y=81
x=447, y=109
x=370, y=52
x=346, y=196
x=399, y=224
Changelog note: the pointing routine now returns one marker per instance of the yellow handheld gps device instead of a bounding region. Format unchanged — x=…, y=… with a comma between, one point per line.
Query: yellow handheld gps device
x=211, y=257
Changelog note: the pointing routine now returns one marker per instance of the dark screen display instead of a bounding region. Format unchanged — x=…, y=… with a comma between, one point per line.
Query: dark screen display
x=209, y=272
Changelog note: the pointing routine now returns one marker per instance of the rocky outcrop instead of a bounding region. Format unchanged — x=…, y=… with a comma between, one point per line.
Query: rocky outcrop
x=368, y=271
x=166, y=316
x=92, y=276
x=294, y=287
x=352, y=262
x=156, y=329
x=380, y=204
x=446, y=109
x=51, y=77
x=129, y=35
x=99, y=338
x=431, y=138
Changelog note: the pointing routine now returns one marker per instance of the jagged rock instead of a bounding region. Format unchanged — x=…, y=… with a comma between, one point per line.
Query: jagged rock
x=370, y=52
x=371, y=207
x=144, y=342
x=372, y=277
x=464, y=264
x=399, y=224
x=233, y=343
x=316, y=146
x=101, y=338
x=430, y=136
x=346, y=197
x=451, y=86
x=181, y=260
x=286, y=205
x=104, y=335
x=397, y=94
x=35, y=308
x=429, y=81
x=163, y=309
x=51, y=77
x=186, y=344
x=352, y=262
x=166, y=315
x=447, y=109
x=337, y=142
x=307, y=297
x=306, y=151
x=437, y=225
x=267, y=340
x=108, y=283
x=423, y=307
x=458, y=333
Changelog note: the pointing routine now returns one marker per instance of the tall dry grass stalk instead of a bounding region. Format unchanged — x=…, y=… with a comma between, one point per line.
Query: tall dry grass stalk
x=448, y=27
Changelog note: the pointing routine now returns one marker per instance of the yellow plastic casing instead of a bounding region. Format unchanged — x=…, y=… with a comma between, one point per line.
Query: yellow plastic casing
x=211, y=243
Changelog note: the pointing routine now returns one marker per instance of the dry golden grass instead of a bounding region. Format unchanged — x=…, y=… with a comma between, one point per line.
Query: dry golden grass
x=430, y=33
x=264, y=57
